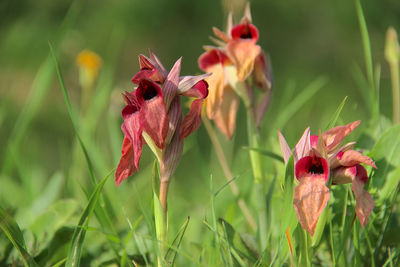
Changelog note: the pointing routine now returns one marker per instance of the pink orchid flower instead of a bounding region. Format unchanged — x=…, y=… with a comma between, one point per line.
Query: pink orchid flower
x=153, y=109
x=316, y=159
x=233, y=60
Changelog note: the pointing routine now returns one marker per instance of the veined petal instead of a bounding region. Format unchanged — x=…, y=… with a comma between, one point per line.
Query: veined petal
x=171, y=155
x=225, y=115
x=344, y=175
x=147, y=71
x=243, y=53
x=303, y=146
x=125, y=167
x=132, y=129
x=364, y=201
x=192, y=120
x=194, y=86
x=175, y=118
x=335, y=136
x=312, y=166
x=351, y=158
x=310, y=198
x=158, y=66
x=170, y=88
x=286, y=152
x=153, y=114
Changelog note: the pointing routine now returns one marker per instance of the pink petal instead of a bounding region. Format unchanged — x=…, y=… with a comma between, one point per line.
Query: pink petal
x=309, y=200
x=335, y=136
x=194, y=86
x=312, y=166
x=364, y=201
x=344, y=175
x=158, y=66
x=132, y=129
x=221, y=35
x=303, y=146
x=125, y=167
x=192, y=120
x=170, y=88
x=210, y=58
x=171, y=156
x=286, y=152
x=153, y=113
x=352, y=157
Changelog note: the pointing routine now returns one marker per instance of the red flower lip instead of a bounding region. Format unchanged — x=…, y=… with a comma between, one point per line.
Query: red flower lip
x=312, y=165
x=245, y=31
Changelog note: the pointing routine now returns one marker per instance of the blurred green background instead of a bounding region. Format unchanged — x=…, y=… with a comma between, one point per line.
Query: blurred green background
x=306, y=40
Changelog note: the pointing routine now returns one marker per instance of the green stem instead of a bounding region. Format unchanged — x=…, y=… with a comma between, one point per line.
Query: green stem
x=228, y=173
x=394, y=75
x=254, y=141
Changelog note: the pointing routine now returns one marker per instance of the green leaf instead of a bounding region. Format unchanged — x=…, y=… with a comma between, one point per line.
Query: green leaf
x=237, y=242
x=14, y=234
x=336, y=115
x=75, y=250
x=266, y=153
x=173, y=249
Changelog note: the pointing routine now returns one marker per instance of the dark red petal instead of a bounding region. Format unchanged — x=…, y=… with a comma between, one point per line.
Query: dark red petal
x=150, y=74
x=153, y=113
x=128, y=110
x=192, y=120
x=126, y=166
x=212, y=57
x=133, y=129
x=170, y=88
x=245, y=31
x=312, y=165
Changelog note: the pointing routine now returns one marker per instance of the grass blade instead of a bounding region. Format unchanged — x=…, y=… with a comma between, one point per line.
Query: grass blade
x=172, y=251
x=336, y=115
x=299, y=101
x=71, y=115
x=14, y=234
x=266, y=153
x=78, y=237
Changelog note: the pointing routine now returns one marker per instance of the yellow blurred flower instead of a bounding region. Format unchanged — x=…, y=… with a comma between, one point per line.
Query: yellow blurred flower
x=89, y=64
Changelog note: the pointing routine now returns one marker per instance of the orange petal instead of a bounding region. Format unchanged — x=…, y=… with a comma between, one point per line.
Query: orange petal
x=243, y=53
x=336, y=135
x=364, y=201
x=215, y=89
x=225, y=117
x=309, y=200
x=221, y=35
x=352, y=157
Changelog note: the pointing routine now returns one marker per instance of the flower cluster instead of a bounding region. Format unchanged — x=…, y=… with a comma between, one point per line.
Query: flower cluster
x=236, y=58
x=318, y=158
x=153, y=115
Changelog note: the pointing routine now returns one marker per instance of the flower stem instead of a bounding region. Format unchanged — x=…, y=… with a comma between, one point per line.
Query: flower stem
x=394, y=75
x=228, y=173
x=254, y=142
x=163, y=225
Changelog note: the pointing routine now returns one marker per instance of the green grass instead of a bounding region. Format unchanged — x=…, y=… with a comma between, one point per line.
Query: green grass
x=55, y=210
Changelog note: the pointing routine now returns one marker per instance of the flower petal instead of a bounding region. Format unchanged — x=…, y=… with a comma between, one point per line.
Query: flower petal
x=192, y=120
x=286, y=152
x=170, y=88
x=194, y=86
x=132, y=129
x=309, y=200
x=158, y=66
x=364, y=201
x=312, y=166
x=243, y=52
x=221, y=35
x=216, y=84
x=262, y=72
x=171, y=156
x=125, y=167
x=303, y=146
x=153, y=114
x=245, y=31
x=351, y=158
x=335, y=136
x=225, y=115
